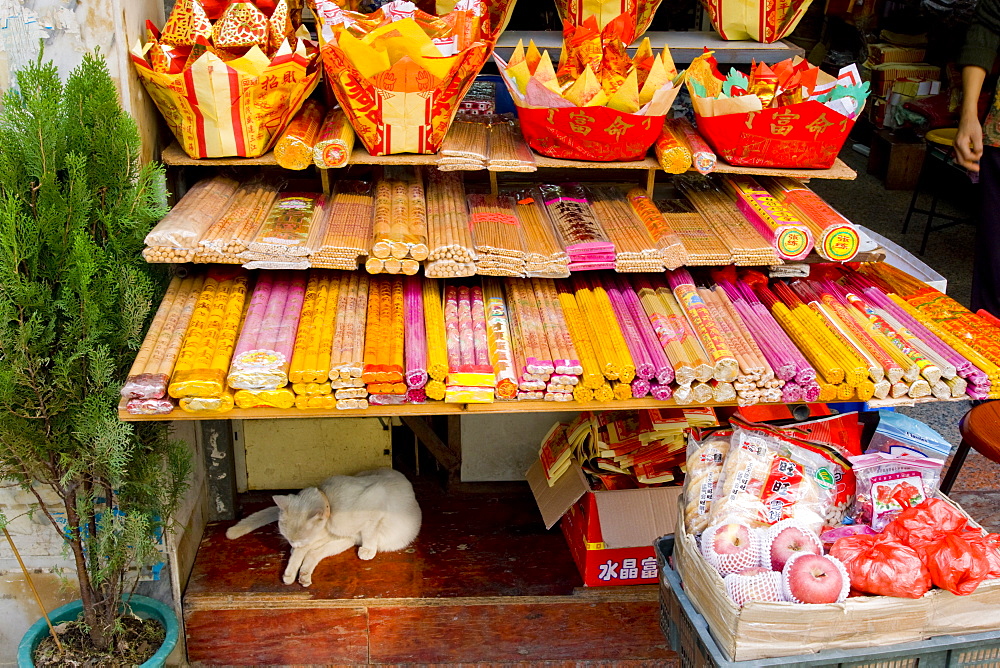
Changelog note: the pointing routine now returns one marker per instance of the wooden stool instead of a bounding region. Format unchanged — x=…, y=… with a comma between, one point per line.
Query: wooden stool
x=980, y=430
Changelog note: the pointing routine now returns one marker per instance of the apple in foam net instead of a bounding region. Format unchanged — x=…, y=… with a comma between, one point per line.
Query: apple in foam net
x=789, y=541
x=730, y=547
x=814, y=578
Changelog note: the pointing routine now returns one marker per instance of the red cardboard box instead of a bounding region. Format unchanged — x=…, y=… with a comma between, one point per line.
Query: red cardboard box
x=610, y=533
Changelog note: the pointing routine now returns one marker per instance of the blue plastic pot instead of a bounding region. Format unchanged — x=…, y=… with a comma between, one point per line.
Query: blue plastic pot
x=143, y=606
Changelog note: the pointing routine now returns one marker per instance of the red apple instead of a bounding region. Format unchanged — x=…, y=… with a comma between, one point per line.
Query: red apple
x=814, y=578
x=753, y=584
x=731, y=547
x=785, y=539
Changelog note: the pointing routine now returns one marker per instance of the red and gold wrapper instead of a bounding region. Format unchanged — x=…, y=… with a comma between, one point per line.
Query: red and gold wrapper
x=759, y=20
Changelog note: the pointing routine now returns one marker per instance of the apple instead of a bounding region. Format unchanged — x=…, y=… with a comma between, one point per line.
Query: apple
x=785, y=539
x=753, y=584
x=730, y=547
x=814, y=578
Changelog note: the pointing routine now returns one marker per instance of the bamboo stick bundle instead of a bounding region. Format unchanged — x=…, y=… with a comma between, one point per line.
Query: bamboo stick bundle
x=347, y=227
x=208, y=344
x=335, y=141
x=497, y=236
x=635, y=249
x=175, y=238
x=544, y=255
x=448, y=235
x=702, y=246
x=150, y=372
x=294, y=149
x=508, y=150
x=671, y=248
x=725, y=365
x=745, y=244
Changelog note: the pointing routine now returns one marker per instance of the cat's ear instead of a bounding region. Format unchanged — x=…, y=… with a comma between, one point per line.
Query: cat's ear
x=280, y=501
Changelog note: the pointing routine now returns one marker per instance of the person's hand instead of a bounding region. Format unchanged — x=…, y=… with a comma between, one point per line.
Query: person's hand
x=969, y=142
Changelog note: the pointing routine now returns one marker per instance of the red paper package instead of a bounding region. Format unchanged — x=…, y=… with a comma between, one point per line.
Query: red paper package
x=957, y=564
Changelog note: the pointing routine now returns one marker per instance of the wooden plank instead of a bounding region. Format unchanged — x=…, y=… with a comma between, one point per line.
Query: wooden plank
x=277, y=637
x=517, y=632
x=441, y=451
x=173, y=155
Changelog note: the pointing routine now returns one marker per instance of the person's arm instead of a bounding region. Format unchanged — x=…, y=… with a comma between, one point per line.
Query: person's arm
x=976, y=59
x=969, y=139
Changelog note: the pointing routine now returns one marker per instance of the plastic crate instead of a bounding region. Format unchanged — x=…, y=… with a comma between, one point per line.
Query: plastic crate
x=689, y=636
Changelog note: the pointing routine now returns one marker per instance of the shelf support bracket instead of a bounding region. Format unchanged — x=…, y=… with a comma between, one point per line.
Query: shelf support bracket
x=650, y=182
x=443, y=452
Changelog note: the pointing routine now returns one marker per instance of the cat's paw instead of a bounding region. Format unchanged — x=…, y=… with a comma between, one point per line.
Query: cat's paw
x=305, y=580
x=288, y=578
x=366, y=553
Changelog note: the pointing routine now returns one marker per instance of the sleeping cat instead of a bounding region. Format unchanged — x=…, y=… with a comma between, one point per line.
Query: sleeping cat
x=375, y=510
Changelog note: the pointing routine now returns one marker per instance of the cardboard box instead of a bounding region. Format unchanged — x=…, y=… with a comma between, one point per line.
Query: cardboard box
x=610, y=533
x=884, y=75
x=761, y=630
x=891, y=53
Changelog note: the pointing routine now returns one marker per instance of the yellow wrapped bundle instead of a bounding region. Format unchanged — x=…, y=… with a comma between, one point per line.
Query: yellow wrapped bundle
x=295, y=148
x=335, y=143
x=280, y=398
x=208, y=405
x=672, y=151
x=314, y=338
x=437, y=346
x=208, y=345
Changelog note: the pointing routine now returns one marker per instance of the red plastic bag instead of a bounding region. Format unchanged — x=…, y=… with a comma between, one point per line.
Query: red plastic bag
x=925, y=523
x=883, y=567
x=957, y=564
x=990, y=544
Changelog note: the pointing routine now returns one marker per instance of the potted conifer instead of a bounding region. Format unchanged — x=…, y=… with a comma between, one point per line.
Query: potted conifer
x=75, y=300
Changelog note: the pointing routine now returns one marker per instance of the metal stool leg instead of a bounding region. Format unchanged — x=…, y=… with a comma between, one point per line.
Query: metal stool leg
x=956, y=466
x=930, y=222
x=913, y=199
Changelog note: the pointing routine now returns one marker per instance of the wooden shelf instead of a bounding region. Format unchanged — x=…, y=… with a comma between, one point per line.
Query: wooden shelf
x=684, y=46
x=407, y=410
x=174, y=156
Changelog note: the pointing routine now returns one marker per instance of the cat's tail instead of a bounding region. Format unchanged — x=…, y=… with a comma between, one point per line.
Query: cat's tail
x=251, y=522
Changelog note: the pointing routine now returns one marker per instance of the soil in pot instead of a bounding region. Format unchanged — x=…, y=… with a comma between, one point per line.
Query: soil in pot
x=133, y=644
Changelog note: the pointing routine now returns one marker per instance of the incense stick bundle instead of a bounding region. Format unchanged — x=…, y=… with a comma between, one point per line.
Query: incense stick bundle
x=702, y=246
x=449, y=238
x=150, y=372
x=702, y=156
x=498, y=338
x=544, y=255
x=335, y=141
x=672, y=151
x=415, y=333
x=604, y=330
x=466, y=146
x=725, y=365
x=835, y=238
x=267, y=338
x=175, y=238
x=684, y=352
x=287, y=229
x=203, y=360
x=634, y=247
x=592, y=376
x=746, y=246
x=399, y=224
x=347, y=352
x=314, y=340
x=671, y=248
x=231, y=234
x=508, y=150
x=579, y=230
x=295, y=148
x=347, y=227
x=523, y=308
x=778, y=225
x=497, y=236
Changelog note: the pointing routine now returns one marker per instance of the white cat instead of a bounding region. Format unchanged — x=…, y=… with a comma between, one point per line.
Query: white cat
x=375, y=510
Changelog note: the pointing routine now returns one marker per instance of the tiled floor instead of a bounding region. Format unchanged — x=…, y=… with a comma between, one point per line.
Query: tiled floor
x=949, y=252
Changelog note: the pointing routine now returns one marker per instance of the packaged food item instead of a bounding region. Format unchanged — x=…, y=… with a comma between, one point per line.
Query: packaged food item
x=897, y=434
x=888, y=484
x=705, y=459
